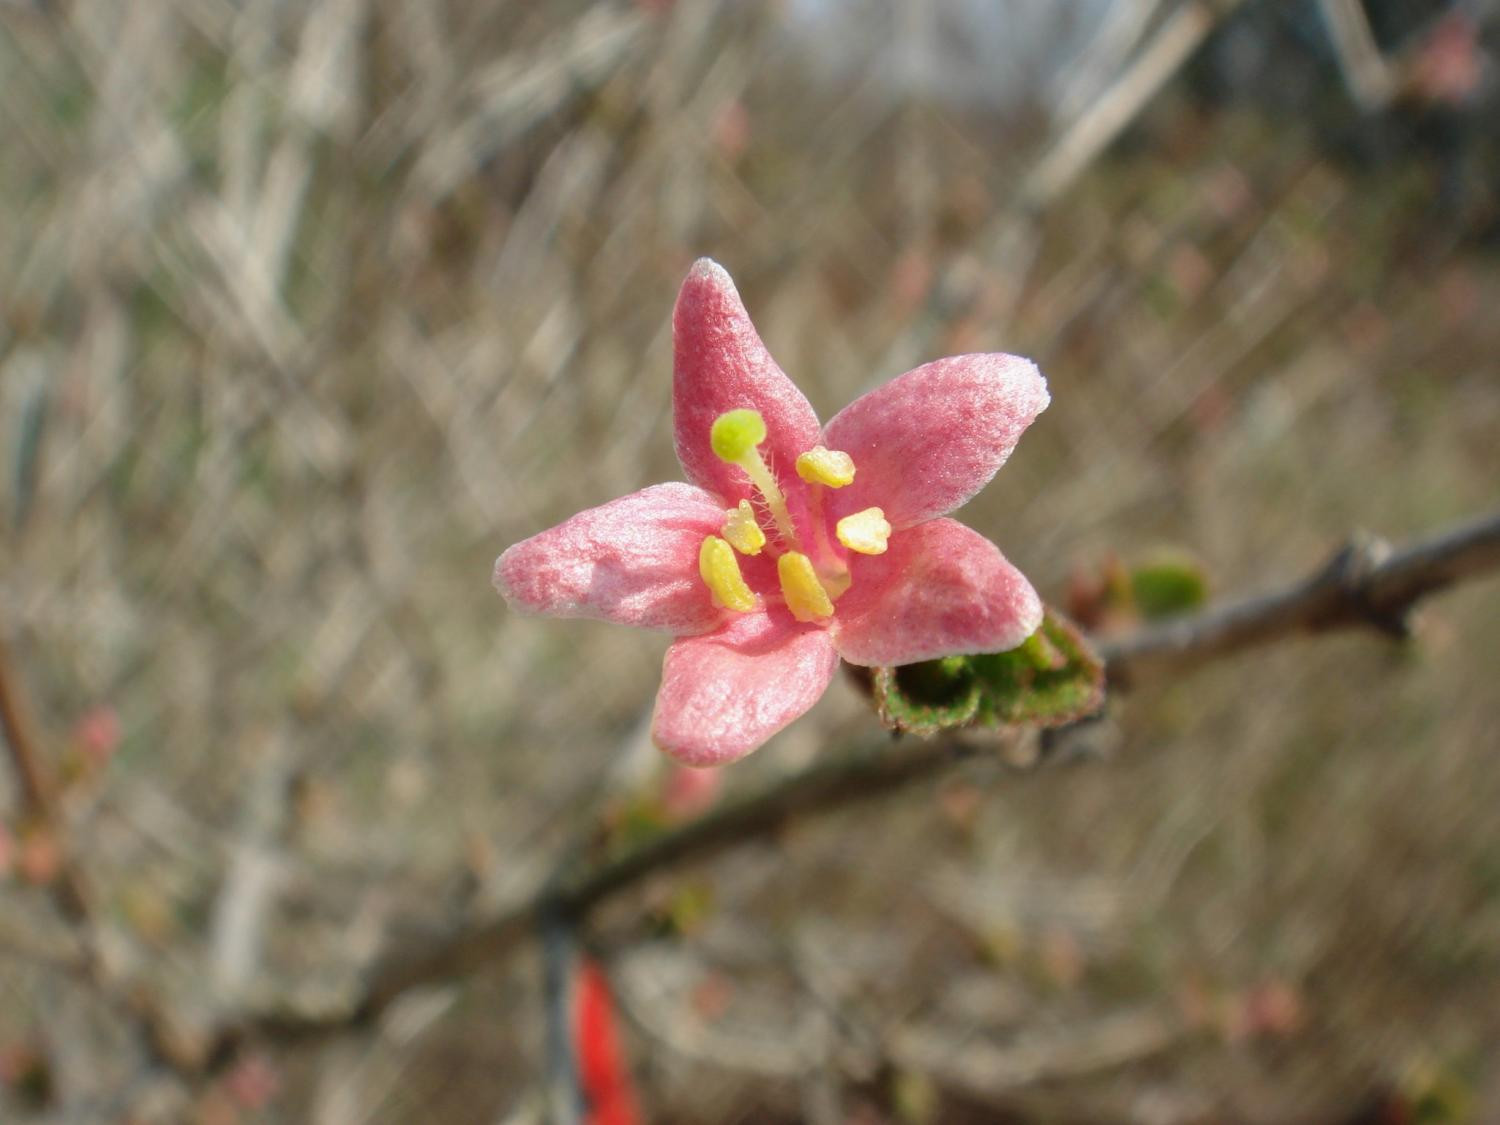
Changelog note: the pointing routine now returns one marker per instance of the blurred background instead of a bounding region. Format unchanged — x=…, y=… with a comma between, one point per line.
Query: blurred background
x=307, y=310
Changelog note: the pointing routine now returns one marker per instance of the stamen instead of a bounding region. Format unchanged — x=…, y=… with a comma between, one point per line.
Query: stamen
x=734, y=438
x=831, y=571
x=721, y=574
x=743, y=530
x=836, y=582
x=865, y=532
x=804, y=594
x=826, y=466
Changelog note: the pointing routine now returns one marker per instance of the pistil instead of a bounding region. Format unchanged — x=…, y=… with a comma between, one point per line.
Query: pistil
x=735, y=437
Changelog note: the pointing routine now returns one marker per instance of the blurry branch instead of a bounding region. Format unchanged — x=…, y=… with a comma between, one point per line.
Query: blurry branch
x=1125, y=21
x=39, y=949
x=566, y=1101
x=526, y=87
x=38, y=797
x=670, y=1022
x=68, y=888
x=835, y=783
x=1365, y=583
x=1115, y=108
x=982, y=1068
x=1371, y=81
x=249, y=890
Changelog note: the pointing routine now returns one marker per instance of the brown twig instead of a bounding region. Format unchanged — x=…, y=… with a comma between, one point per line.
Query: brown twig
x=69, y=888
x=836, y=783
x=38, y=797
x=1365, y=583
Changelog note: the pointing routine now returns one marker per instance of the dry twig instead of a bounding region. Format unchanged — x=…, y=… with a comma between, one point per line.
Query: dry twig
x=1173, y=44
x=38, y=796
x=70, y=892
x=1366, y=583
x=1371, y=80
x=987, y=1070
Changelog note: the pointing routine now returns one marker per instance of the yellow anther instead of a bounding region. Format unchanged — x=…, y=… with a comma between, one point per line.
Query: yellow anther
x=736, y=434
x=805, y=595
x=865, y=532
x=742, y=530
x=826, y=466
x=721, y=574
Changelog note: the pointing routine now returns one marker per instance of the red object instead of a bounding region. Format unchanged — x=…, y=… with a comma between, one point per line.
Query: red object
x=602, y=1066
x=1449, y=67
x=98, y=734
x=686, y=792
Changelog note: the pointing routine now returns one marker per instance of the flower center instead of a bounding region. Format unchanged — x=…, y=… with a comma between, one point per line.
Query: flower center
x=808, y=588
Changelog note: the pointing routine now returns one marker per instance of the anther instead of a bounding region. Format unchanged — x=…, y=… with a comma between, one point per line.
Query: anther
x=721, y=574
x=865, y=532
x=804, y=594
x=742, y=530
x=826, y=466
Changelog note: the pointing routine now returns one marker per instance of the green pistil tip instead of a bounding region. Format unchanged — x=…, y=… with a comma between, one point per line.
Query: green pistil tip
x=736, y=434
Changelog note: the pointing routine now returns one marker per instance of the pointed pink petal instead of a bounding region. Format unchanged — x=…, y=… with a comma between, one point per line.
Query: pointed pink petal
x=633, y=561
x=941, y=590
x=928, y=440
x=720, y=365
x=724, y=694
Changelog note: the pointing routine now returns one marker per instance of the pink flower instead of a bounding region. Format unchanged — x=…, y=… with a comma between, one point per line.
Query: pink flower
x=794, y=544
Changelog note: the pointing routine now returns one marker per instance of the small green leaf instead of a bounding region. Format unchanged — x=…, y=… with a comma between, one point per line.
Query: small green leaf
x=1170, y=583
x=1051, y=678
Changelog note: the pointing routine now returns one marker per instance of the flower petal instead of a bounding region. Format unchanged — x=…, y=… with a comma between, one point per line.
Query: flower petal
x=720, y=365
x=927, y=441
x=724, y=694
x=633, y=561
x=942, y=589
